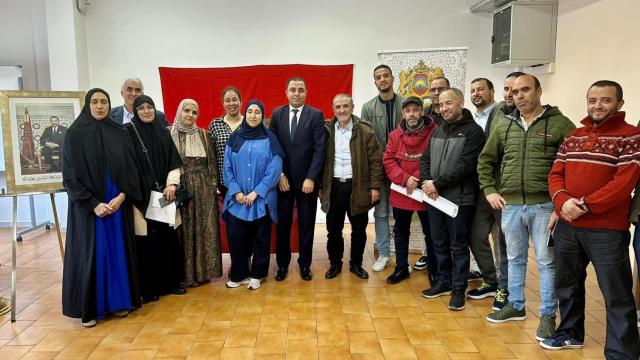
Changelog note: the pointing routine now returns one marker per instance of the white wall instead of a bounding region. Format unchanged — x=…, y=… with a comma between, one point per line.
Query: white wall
x=24, y=42
x=203, y=33
x=597, y=39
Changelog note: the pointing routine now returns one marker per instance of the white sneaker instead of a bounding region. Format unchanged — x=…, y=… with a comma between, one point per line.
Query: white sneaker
x=90, y=323
x=380, y=264
x=254, y=284
x=235, y=284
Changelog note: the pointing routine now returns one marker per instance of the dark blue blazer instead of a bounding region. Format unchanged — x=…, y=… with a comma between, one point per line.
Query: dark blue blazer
x=305, y=155
x=118, y=112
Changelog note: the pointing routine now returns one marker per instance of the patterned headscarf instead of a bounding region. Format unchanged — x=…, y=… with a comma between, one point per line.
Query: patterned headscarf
x=193, y=143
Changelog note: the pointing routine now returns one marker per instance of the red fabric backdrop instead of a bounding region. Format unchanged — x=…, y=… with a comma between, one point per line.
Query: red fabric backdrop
x=264, y=82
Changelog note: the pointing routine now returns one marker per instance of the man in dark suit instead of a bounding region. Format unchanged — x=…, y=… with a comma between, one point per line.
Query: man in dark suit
x=51, y=143
x=131, y=88
x=300, y=129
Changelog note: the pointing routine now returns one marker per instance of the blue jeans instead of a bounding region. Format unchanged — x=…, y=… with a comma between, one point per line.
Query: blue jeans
x=519, y=222
x=381, y=217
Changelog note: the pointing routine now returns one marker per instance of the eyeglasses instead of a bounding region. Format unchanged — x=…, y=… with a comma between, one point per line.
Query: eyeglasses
x=438, y=90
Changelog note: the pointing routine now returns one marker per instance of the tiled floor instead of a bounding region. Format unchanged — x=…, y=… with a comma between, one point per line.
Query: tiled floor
x=328, y=319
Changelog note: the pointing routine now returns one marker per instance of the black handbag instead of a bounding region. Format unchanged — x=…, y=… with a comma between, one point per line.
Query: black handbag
x=182, y=193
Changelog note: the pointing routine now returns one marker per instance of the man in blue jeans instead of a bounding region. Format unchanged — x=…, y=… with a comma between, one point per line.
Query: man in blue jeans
x=523, y=146
x=384, y=112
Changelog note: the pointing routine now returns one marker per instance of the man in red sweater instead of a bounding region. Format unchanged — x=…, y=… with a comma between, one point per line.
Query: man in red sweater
x=590, y=183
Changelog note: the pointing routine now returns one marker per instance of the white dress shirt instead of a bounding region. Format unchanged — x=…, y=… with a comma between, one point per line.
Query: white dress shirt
x=342, y=163
x=482, y=117
x=291, y=115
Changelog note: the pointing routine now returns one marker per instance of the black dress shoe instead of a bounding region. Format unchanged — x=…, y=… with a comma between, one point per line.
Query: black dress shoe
x=305, y=274
x=398, y=275
x=178, y=290
x=359, y=271
x=333, y=271
x=281, y=274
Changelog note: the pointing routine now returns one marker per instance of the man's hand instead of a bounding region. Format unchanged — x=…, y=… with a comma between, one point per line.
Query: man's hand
x=553, y=220
x=307, y=186
x=249, y=199
x=375, y=195
x=115, y=203
x=412, y=184
x=283, y=184
x=170, y=193
x=496, y=201
x=430, y=189
x=571, y=209
x=102, y=210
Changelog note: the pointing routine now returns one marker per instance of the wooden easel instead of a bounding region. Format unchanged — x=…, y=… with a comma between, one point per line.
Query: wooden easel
x=14, y=242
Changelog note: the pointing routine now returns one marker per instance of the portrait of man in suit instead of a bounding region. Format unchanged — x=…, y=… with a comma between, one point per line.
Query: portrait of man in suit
x=51, y=143
x=301, y=132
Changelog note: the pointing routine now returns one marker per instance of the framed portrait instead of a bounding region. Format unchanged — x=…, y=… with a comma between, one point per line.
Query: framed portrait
x=34, y=125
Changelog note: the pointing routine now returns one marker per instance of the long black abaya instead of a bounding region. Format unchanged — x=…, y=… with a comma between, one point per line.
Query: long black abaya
x=91, y=148
x=160, y=256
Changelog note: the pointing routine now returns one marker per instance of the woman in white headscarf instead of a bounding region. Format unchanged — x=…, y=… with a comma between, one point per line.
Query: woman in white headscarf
x=199, y=233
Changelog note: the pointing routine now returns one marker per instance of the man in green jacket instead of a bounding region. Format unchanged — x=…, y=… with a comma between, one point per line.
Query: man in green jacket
x=383, y=112
x=351, y=182
x=522, y=147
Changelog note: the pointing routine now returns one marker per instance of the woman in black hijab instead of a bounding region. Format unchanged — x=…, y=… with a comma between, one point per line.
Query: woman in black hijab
x=101, y=179
x=160, y=256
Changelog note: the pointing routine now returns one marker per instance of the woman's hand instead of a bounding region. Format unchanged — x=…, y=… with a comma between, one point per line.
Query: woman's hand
x=249, y=199
x=170, y=193
x=103, y=210
x=115, y=203
x=240, y=198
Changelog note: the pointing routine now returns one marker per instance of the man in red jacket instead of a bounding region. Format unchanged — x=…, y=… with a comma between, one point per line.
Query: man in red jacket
x=590, y=184
x=402, y=164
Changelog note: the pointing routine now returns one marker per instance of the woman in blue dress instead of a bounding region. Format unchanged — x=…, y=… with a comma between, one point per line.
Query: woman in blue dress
x=101, y=179
x=252, y=168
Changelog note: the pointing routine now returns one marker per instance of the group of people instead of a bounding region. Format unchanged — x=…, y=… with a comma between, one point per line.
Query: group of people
x=516, y=169
x=116, y=259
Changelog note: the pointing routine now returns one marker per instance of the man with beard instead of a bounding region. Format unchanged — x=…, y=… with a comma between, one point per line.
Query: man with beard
x=384, y=112
x=485, y=218
x=448, y=169
x=51, y=143
x=401, y=161
x=437, y=87
x=594, y=225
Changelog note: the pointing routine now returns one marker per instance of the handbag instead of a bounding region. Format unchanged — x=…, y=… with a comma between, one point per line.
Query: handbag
x=182, y=193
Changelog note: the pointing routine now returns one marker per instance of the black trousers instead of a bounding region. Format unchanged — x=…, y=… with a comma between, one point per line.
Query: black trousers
x=450, y=238
x=248, y=238
x=307, y=205
x=340, y=198
x=160, y=260
x=483, y=219
x=608, y=250
x=402, y=231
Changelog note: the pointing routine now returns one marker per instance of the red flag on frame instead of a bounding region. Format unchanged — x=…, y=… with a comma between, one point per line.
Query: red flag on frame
x=264, y=82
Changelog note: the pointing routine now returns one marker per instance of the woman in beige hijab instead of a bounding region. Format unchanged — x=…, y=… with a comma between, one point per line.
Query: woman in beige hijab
x=199, y=232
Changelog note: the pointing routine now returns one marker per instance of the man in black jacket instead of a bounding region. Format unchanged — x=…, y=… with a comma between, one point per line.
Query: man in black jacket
x=448, y=169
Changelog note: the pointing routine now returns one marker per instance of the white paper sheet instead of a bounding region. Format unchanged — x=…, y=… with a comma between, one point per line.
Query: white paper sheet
x=155, y=212
x=440, y=203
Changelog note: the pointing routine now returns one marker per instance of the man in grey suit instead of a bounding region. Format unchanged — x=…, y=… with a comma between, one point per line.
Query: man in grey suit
x=131, y=88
